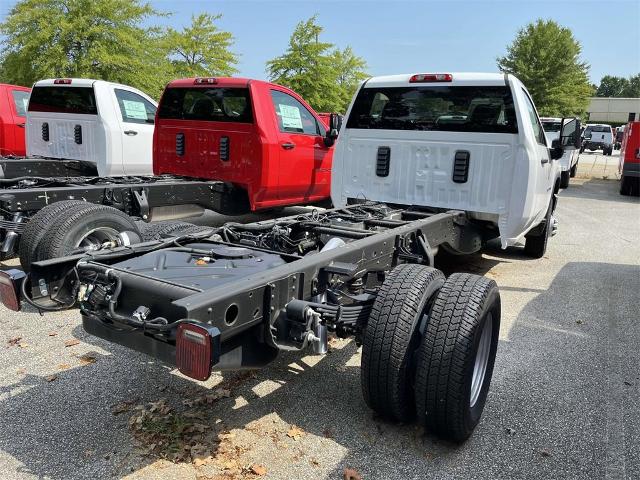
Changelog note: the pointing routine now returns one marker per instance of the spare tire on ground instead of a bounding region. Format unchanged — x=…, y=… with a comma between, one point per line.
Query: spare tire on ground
x=64, y=227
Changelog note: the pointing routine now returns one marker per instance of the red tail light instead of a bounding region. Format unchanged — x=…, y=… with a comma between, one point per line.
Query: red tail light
x=205, y=81
x=431, y=77
x=10, y=282
x=62, y=81
x=197, y=349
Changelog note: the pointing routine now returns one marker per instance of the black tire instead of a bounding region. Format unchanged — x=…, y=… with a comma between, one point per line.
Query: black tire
x=159, y=230
x=446, y=400
x=564, y=179
x=392, y=337
x=573, y=170
x=35, y=229
x=92, y=224
x=535, y=245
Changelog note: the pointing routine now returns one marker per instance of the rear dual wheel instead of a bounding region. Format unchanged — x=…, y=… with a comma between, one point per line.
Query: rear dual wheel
x=67, y=226
x=430, y=347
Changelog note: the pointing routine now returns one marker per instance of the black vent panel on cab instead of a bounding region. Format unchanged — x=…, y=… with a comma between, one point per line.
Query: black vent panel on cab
x=45, y=131
x=77, y=134
x=180, y=144
x=383, y=161
x=461, y=166
x=224, y=148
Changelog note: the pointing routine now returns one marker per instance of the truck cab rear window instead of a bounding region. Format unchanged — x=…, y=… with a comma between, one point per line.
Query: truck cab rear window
x=78, y=100
x=208, y=104
x=455, y=109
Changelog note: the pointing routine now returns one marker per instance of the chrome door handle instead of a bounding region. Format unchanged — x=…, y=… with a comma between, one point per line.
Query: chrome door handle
x=288, y=146
x=130, y=132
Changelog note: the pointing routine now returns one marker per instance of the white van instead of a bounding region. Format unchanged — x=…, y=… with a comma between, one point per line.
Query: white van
x=105, y=123
x=454, y=141
x=568, y=161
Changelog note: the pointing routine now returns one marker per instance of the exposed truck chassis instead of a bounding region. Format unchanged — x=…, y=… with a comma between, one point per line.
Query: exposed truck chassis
x=245, y=292
x=23, y=196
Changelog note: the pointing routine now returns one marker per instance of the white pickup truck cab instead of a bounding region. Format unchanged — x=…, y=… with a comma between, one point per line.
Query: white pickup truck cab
x=569, y=160
x=105, y=123
x=457, y=141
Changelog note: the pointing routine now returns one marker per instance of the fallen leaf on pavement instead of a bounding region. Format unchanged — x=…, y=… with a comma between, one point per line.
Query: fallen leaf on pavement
x=64, y=366
x=23, y=345
x=53, y=334
x=351, y=474
x=295, y=432
x=71, y=343
x=88, y=358
x=21, y=371
x=258, y=470
x=51, y=378
x=14, y=341
x=122, y=406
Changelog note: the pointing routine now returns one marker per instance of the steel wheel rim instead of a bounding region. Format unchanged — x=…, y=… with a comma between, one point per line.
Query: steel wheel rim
x=482, y=360
x=93, y=239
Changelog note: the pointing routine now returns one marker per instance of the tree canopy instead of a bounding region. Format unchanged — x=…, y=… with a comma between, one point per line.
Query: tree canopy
x=201, y=49
x=546, y=58
x=612, y=86
x=325, y=76
x=108, y=40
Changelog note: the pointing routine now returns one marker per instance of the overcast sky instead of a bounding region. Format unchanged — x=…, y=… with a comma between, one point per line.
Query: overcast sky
x=411, y=36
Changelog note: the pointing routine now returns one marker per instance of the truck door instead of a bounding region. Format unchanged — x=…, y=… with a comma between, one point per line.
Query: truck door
x=18, y=102
x=136, y=116
x=305, y=162
x=543, y=166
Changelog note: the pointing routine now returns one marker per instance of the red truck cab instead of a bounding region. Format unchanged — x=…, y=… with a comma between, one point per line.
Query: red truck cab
x=13, y=110
x=629, y=165
x=259, y=137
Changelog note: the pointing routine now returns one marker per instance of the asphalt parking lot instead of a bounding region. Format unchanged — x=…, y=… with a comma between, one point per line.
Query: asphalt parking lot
x=564, y=400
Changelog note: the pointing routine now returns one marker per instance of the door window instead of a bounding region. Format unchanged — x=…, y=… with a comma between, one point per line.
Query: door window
x=535, y=121
x=21, y=100
x=135, y=108
x=292, y=116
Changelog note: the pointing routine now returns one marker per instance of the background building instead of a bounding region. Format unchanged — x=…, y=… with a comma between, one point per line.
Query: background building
x=613, y=110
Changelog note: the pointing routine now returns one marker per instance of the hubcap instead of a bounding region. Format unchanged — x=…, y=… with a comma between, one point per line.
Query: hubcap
x=94, y=239
x=482, y=360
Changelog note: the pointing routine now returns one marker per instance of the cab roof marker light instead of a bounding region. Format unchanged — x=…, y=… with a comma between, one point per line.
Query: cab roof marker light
x=431, y=77
x=205, y=81
x=62, y=81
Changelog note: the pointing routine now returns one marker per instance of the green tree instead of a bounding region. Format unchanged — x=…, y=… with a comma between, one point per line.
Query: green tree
x=632, y=89
x=350, y=72
x=546, y=58
x=201, y=49
x=83, y=38
x=611, y=86
x=325, y=77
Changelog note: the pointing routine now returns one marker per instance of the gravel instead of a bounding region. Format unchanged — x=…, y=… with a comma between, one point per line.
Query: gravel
x=563, y=401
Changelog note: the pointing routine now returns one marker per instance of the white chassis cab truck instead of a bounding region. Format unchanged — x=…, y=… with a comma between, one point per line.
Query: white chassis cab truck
x=103, y=123
x=458, y=141
x=424, y=161
x=569, y=160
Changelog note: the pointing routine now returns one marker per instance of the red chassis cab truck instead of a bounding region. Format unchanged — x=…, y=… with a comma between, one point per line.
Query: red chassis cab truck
x=262, y=138
x=629, y=165
x=13, y=110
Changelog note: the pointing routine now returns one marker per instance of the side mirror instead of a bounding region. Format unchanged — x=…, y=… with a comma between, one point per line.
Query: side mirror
x=556, y=150
x=570, y=134
x=335, y=122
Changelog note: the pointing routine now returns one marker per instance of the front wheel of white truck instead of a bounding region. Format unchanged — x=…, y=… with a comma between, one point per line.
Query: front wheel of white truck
x=456, y=356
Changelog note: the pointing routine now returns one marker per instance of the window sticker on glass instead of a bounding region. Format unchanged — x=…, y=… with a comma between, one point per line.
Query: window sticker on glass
x=134, y=109
x=290, y=117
